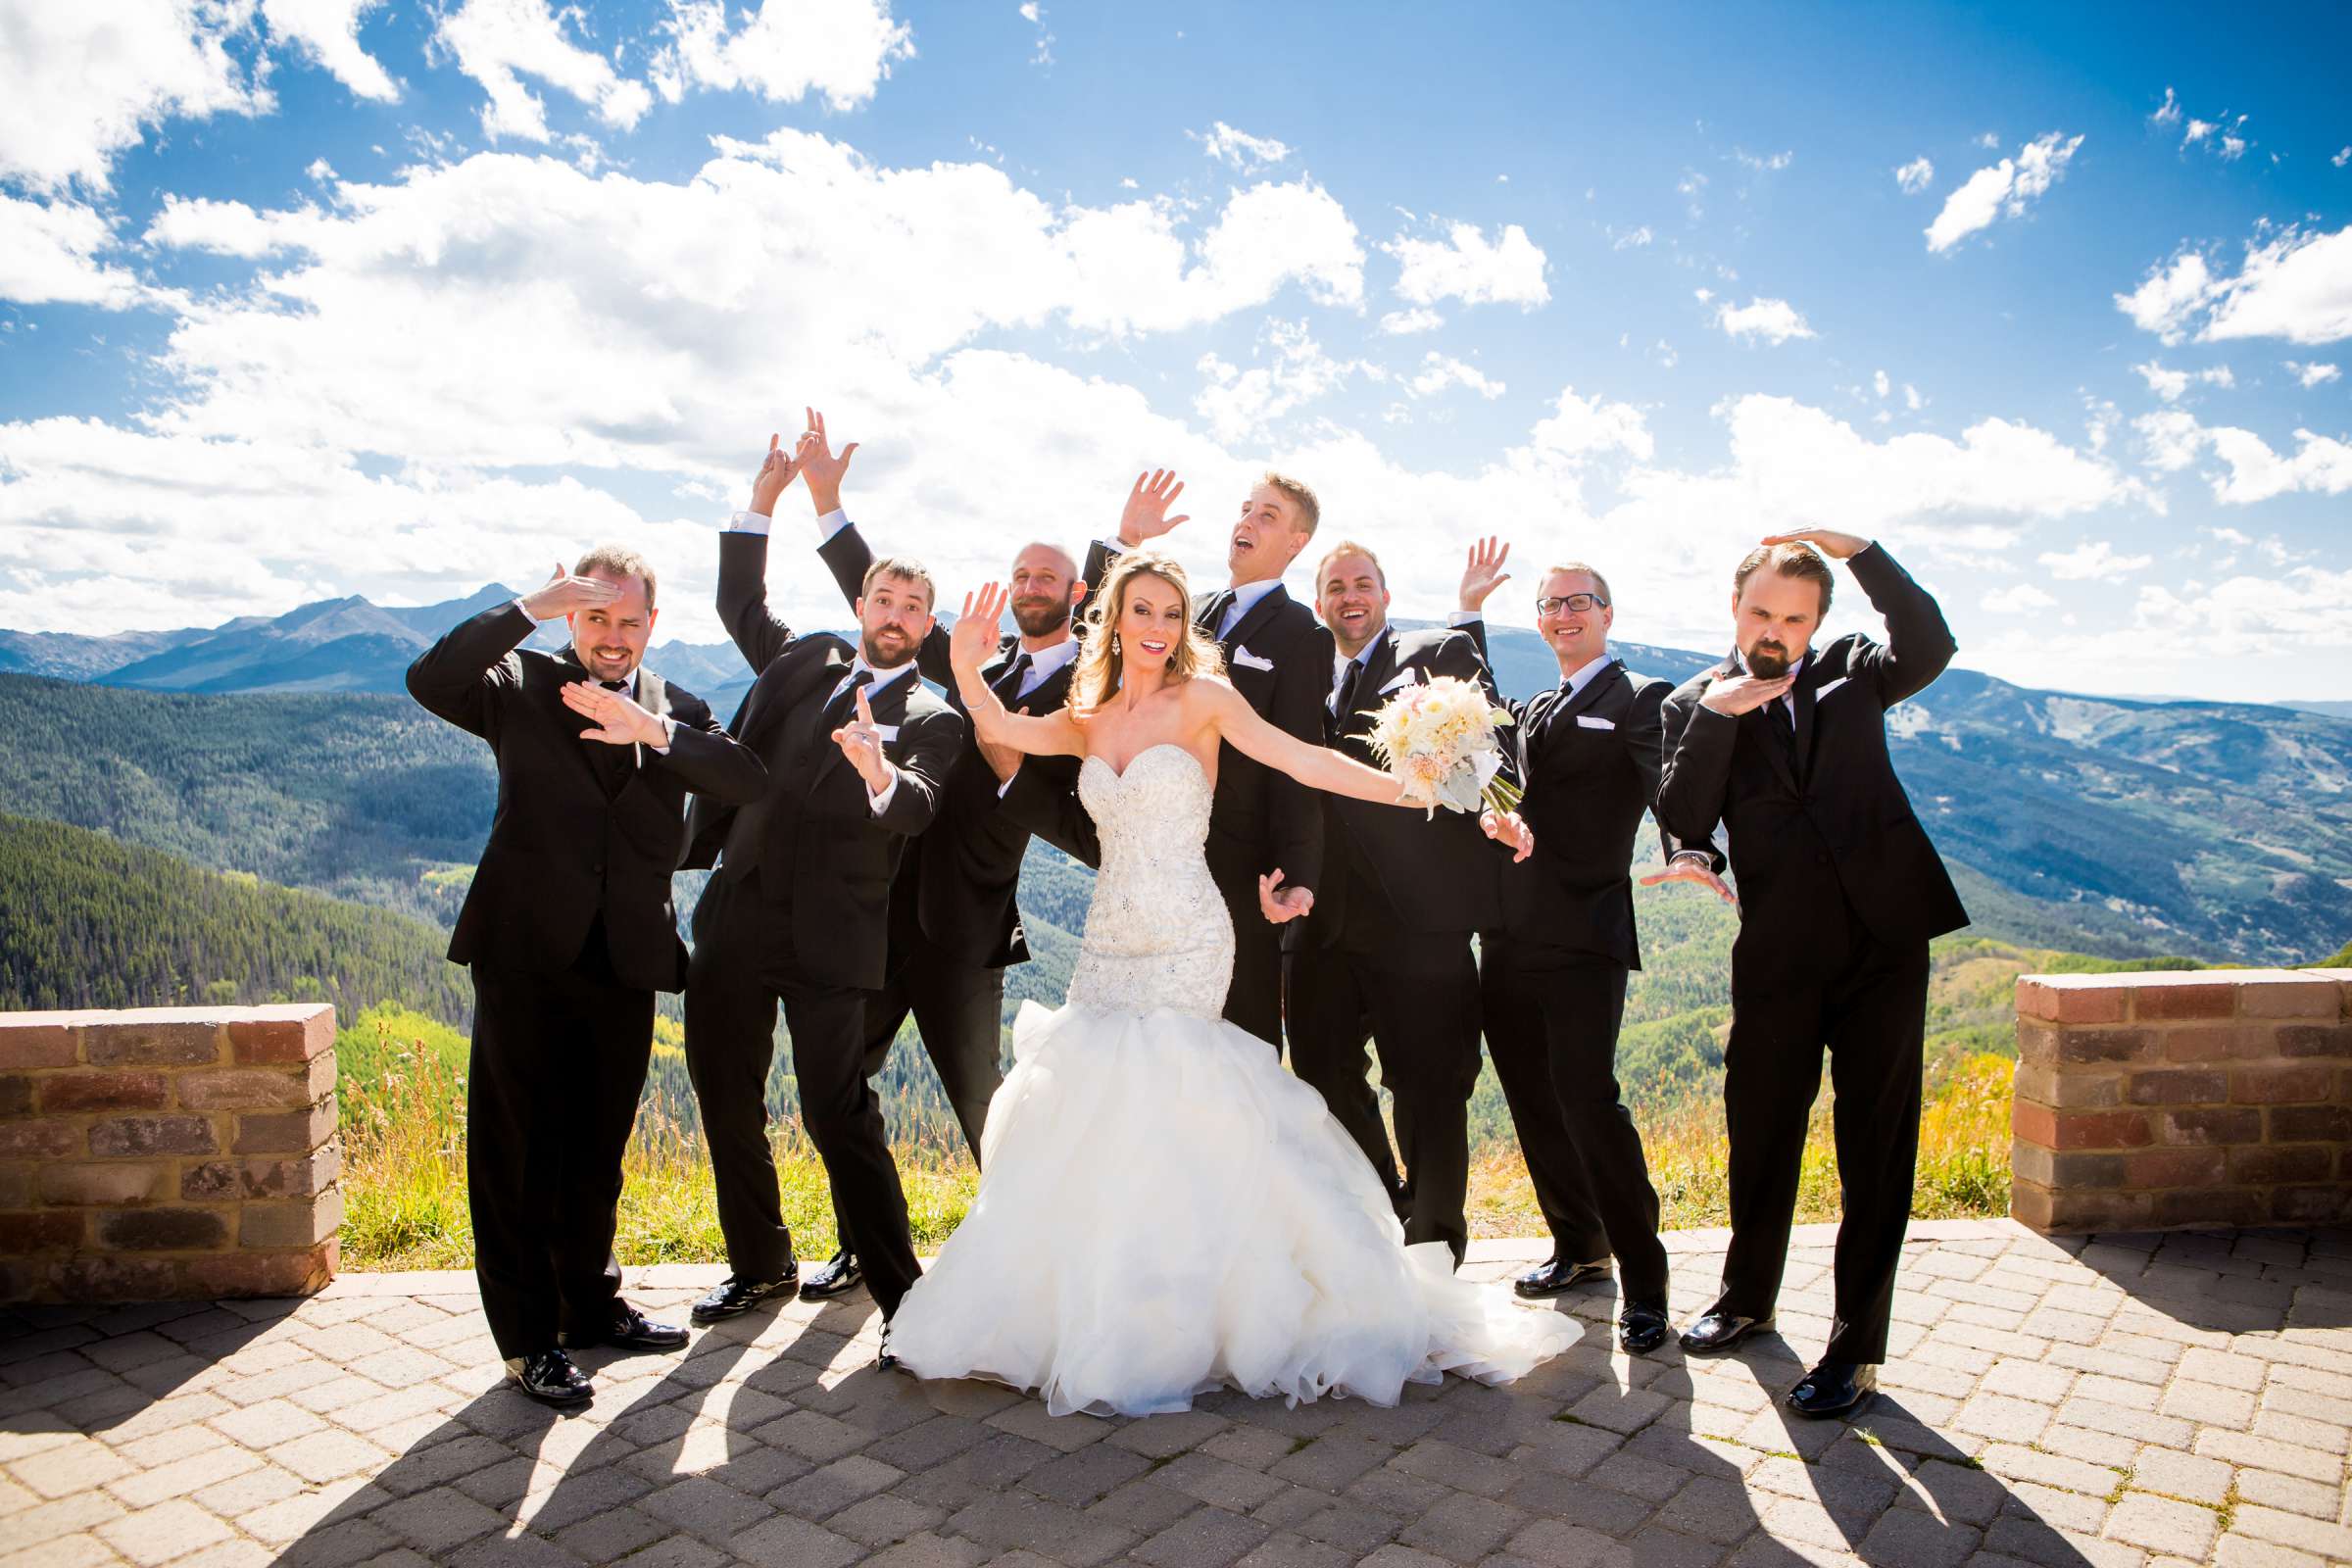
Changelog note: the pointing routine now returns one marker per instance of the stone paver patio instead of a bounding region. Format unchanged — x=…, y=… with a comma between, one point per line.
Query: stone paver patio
x=2111, y=1401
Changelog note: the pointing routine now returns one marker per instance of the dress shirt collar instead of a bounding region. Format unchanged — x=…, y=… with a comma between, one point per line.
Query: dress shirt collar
x=1045, y=661
x=876, y=679
x=1585, y=677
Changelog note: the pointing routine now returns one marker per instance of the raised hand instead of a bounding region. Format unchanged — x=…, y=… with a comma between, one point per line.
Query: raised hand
x=1483, y=573
x=565, y=594
x=775, y=475
x=861, y=743
x=1279, y=904
x=1828, y=541
x=820, y=466
x=1146, y=514
x=618, y=720
x=976, y=635
x=1737, y=694
x=1506, y=827
x=1694, y=869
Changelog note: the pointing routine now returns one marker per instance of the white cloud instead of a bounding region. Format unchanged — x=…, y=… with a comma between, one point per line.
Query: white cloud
x=2019, y=599
x=1879, y=385
x=2312, y=375
x=1578, y=429
x=1420, y=318
x=1988, y=140
x=1763, y=165
x=1629, y=239
x=2296, y=285
x=1911, y=398
x=328, y=32
x=1440, y=371
x=2342, y=157
x=2005, y=187
x=2294, y=613
x=1242, y=405
x=79, y=82
x=1916, y=175
x=2167, y=112
x=49, y=255
x=499, y=42
x=1774, y=321
x=227, y=228
x=1035, y=15
x=1238, y=149
x=2094, y=560
x=1468, y=266
x=2321, y=465
x=2170, y=385
x=840, y=50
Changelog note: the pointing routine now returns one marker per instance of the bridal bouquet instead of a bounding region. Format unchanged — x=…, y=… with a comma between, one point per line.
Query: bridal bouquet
x=1438, y=739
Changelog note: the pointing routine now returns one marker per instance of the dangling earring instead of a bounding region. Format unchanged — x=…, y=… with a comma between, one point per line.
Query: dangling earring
x=1114, y=643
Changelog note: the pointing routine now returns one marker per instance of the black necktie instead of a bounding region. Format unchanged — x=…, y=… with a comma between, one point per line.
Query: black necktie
x=1213, y=614
x=1009, y=684
x=1784, y=729
x=844, y=702
x=1344, y=704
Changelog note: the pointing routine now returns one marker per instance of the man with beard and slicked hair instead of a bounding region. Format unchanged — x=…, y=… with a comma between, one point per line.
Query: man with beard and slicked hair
x=858, y=753
x=955, y=924
x=1840, y=891
x=1265, y=830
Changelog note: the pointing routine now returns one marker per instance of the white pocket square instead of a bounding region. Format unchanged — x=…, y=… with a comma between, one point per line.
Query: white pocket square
x=888, y=732
x=1588, y=721
x=1250, y=660
x=1828, y=686
x=1401, y=680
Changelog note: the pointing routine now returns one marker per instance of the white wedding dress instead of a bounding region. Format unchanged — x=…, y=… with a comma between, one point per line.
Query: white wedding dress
x=1164, y=1210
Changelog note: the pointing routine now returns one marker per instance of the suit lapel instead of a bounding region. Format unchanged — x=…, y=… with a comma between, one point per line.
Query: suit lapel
x=1259, y=616
x=1809, y=680
x=888, y=709
x=1380, y=665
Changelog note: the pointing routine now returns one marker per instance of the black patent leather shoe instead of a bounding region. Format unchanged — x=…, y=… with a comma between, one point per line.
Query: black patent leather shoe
x=1717, y=1332
x=550, y=1378
x=631, y=1330
x=1833, y=1389
x=1557, y=1277
x=838, y=1277
x=737, y=1295
x=1641, y=1328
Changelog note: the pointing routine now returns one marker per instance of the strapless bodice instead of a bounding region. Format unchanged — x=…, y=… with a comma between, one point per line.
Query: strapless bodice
x=1157, y=934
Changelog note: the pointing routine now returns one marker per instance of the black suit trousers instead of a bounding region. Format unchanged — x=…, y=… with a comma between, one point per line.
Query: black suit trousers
x=552, y=1087
x=1867, y=1003
x=1253, y=997
x=742, y=969
x=1551, y=1018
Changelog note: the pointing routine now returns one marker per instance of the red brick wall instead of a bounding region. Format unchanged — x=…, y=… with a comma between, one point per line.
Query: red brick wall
x=2149, y=1101
x=168, y=1151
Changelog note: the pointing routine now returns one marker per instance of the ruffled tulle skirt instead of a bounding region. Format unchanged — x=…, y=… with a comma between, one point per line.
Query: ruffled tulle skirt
x=1164, y=1212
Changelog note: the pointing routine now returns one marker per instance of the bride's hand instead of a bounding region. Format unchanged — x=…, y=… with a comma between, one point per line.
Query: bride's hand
x=1279, y=904
x=975, y=636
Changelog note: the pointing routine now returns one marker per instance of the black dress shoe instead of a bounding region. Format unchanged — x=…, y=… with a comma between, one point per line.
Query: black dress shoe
x=1640, y=1329
x=1717, y=1332
x=1833, y=1388
x=737, y=1295
x=550, y=1378
x=1557, y=1277
x=837, y=1278
x=631, y=1330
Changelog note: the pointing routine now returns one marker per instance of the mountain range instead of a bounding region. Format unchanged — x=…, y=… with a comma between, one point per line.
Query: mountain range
x=2121, y=826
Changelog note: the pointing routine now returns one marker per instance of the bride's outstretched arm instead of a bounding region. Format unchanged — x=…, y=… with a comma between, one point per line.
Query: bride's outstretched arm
x=1318, y=767
x=975, y=636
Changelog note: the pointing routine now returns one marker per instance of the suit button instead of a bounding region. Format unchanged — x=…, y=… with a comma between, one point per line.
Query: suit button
x=1820, y=858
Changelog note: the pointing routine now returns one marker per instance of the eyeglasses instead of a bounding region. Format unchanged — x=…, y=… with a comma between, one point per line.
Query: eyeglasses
x=1572, y=604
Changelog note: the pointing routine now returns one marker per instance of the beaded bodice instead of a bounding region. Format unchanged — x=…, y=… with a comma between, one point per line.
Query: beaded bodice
x=1157, y=934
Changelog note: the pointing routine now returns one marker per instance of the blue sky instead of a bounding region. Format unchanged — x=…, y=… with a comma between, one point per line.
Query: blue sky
x=309, y=297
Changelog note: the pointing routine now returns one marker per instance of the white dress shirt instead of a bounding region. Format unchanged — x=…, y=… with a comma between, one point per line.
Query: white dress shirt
x=1245, y=600
x=881, y=679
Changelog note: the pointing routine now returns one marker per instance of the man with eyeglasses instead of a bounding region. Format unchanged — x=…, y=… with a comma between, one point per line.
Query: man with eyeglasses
x=1552, y=978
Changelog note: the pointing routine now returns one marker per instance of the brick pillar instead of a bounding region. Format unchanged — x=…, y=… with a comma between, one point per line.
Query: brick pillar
x=2155, y=1101
x=168, y=1152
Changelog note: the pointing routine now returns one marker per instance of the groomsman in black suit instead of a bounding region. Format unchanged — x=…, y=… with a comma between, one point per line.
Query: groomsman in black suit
x=1265, y=829
x=569, y=930
x=1384, y=954
x=858, y=753
x=955, y=924
x=1554, y=973
x=1786, y=747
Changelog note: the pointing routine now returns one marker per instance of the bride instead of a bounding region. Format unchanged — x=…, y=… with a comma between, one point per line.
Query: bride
x=1163, y=1210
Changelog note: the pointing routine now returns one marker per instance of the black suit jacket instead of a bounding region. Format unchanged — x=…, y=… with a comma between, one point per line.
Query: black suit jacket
x=563, y=846
x=1838, y=826
x=961, y=879
x=1435, y=873
x=813, y=832
x=1261, y=818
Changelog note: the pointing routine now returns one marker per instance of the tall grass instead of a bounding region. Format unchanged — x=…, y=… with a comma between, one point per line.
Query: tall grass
x=404, y=1135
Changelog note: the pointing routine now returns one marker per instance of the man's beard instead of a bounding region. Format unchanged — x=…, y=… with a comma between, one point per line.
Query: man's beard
x=1038, y=617
x=903, y=650
x=1768, y=661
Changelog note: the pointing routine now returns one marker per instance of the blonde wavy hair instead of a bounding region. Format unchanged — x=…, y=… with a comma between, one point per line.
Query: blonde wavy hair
x=1101, y=668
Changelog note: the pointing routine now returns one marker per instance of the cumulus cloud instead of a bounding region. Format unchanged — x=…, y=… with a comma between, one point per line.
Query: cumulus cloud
x=1467, y=266
x=2170, y=385
x=327, y=33
x=49, y=255
x=2017, y=599
x=1773, y=321
x=1238, y=149
x=1916, y=175
x=2252, y=469
x=1439, y=373
x=1578, y=429
x=2094, y=560
x=2296, y=285
x=1242, y=405
x=2311, y=375
x=79, y=82
x=839, y=50
x=2003, y=189
x=499, y=42
x=1420, y=318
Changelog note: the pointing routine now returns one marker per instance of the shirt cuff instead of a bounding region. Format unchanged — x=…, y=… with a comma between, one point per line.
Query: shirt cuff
x=746, y=523
x=881, y=803
x=831, y=523
x=1700, y=856
x=1465, y=617
x=526, y=609
x=670, y=736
